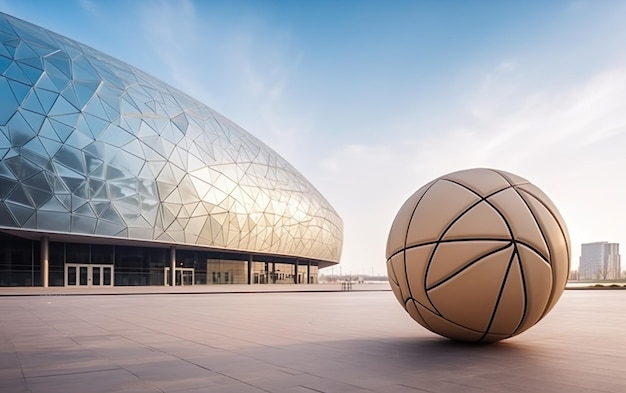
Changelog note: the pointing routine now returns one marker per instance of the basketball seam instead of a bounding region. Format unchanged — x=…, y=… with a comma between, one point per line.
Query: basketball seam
x=556, y=220
x=477, y=239
x=502, y=216
x=525, y=298
x=495, y=307
x=406, y=235
x=447, y=320
x=465, y=267
x=436, y=243
x=507, y=180
x=482, y=199
x=476, y=192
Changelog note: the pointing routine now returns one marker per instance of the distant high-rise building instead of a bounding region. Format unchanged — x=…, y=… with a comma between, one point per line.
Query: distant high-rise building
x=600, y=261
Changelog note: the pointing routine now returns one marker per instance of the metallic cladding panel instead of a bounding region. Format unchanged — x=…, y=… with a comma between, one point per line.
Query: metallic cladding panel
x=90, y=145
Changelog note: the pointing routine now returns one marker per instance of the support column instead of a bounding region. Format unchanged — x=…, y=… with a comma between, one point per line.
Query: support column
x=308, y=271
x=295, y=276
x=44, y=261
x=172, y=266
x=249, y=269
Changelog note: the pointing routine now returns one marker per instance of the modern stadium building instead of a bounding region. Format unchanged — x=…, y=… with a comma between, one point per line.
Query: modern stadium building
x=110, y=177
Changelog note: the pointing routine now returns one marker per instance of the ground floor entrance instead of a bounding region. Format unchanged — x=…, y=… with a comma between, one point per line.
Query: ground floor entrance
x=85, y=275
x=49, y=261
x=182, y=276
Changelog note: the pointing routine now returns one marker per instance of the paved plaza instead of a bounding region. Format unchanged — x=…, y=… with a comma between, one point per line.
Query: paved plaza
x=360, y=341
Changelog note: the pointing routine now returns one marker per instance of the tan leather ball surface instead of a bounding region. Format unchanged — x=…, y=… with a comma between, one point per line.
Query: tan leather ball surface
x=478, y=255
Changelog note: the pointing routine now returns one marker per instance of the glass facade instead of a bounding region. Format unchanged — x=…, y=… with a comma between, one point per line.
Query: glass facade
x=90, y=146
x=83, y=264
x=19, y=263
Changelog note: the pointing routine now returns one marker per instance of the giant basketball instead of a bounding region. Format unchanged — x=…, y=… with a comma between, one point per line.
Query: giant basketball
x=478, y=255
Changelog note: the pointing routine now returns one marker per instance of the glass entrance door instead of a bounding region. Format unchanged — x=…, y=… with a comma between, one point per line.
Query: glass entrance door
x=83, y=275
x=183, y=276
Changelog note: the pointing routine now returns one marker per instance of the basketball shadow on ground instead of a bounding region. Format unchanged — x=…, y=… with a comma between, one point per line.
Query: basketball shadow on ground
x=399, y=358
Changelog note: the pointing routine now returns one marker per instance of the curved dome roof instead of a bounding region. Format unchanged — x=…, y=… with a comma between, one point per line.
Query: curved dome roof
x=90, y=145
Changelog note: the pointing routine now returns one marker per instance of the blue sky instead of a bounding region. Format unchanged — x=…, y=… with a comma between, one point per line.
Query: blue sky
x=372, y=99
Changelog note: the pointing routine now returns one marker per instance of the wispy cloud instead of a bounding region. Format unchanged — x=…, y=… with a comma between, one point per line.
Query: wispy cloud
x=90, y=7
x=569, y=142
x=170, y=29
x=255, y=62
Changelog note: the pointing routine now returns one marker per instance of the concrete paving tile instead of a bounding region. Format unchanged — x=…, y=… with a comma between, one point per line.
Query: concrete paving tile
x=105, y=381
x=59, y=362
x=13, y=385
x=296, y=342
x=173, y=374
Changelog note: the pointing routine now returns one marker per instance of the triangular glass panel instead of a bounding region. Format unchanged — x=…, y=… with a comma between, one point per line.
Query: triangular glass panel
x=41, y=49
x=71, y=158
x=93, y=164
x=134, y=147
x=69, y=93
x=78, y=139
x=99, y=207
x=140, y=233
x=32, y=73
x=111, y=105
x=83, y=224
x=54, y=221
x=6, y=187
x=64, y=198
x=15, y=73
x=101, y=194
x=35, y=62
x=83, y=70
x=32, y=103
x=113, y=173
x=128, y=106
x=44, y=82
x=85, y=90
x=97, y=150
x=36, y=147
x=34, y=119
x=8, y=104
x=95, y=186
x=19, y=90
x=106, y=228
x=54, y=205
x=19, y=212
x=111, y=215
x=57, y=79
x=21, y=167
x=11, y=45
x=181, y=122
x=62, y=131
x=62, y=107
x=85, y=210
x=24, y=51
x=131, y=123
x=131, y=163
x=94, y=108
x=61, y=63
x=116, y=136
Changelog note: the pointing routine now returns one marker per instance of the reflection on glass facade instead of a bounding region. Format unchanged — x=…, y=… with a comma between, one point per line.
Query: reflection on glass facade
x=92, y=146
x=97, y=265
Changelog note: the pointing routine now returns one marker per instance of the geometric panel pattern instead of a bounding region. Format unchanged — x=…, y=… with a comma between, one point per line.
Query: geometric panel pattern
x=91, y=145
x=478, y=255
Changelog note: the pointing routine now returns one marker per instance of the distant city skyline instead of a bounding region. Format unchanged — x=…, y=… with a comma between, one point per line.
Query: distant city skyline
x=370, y=100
